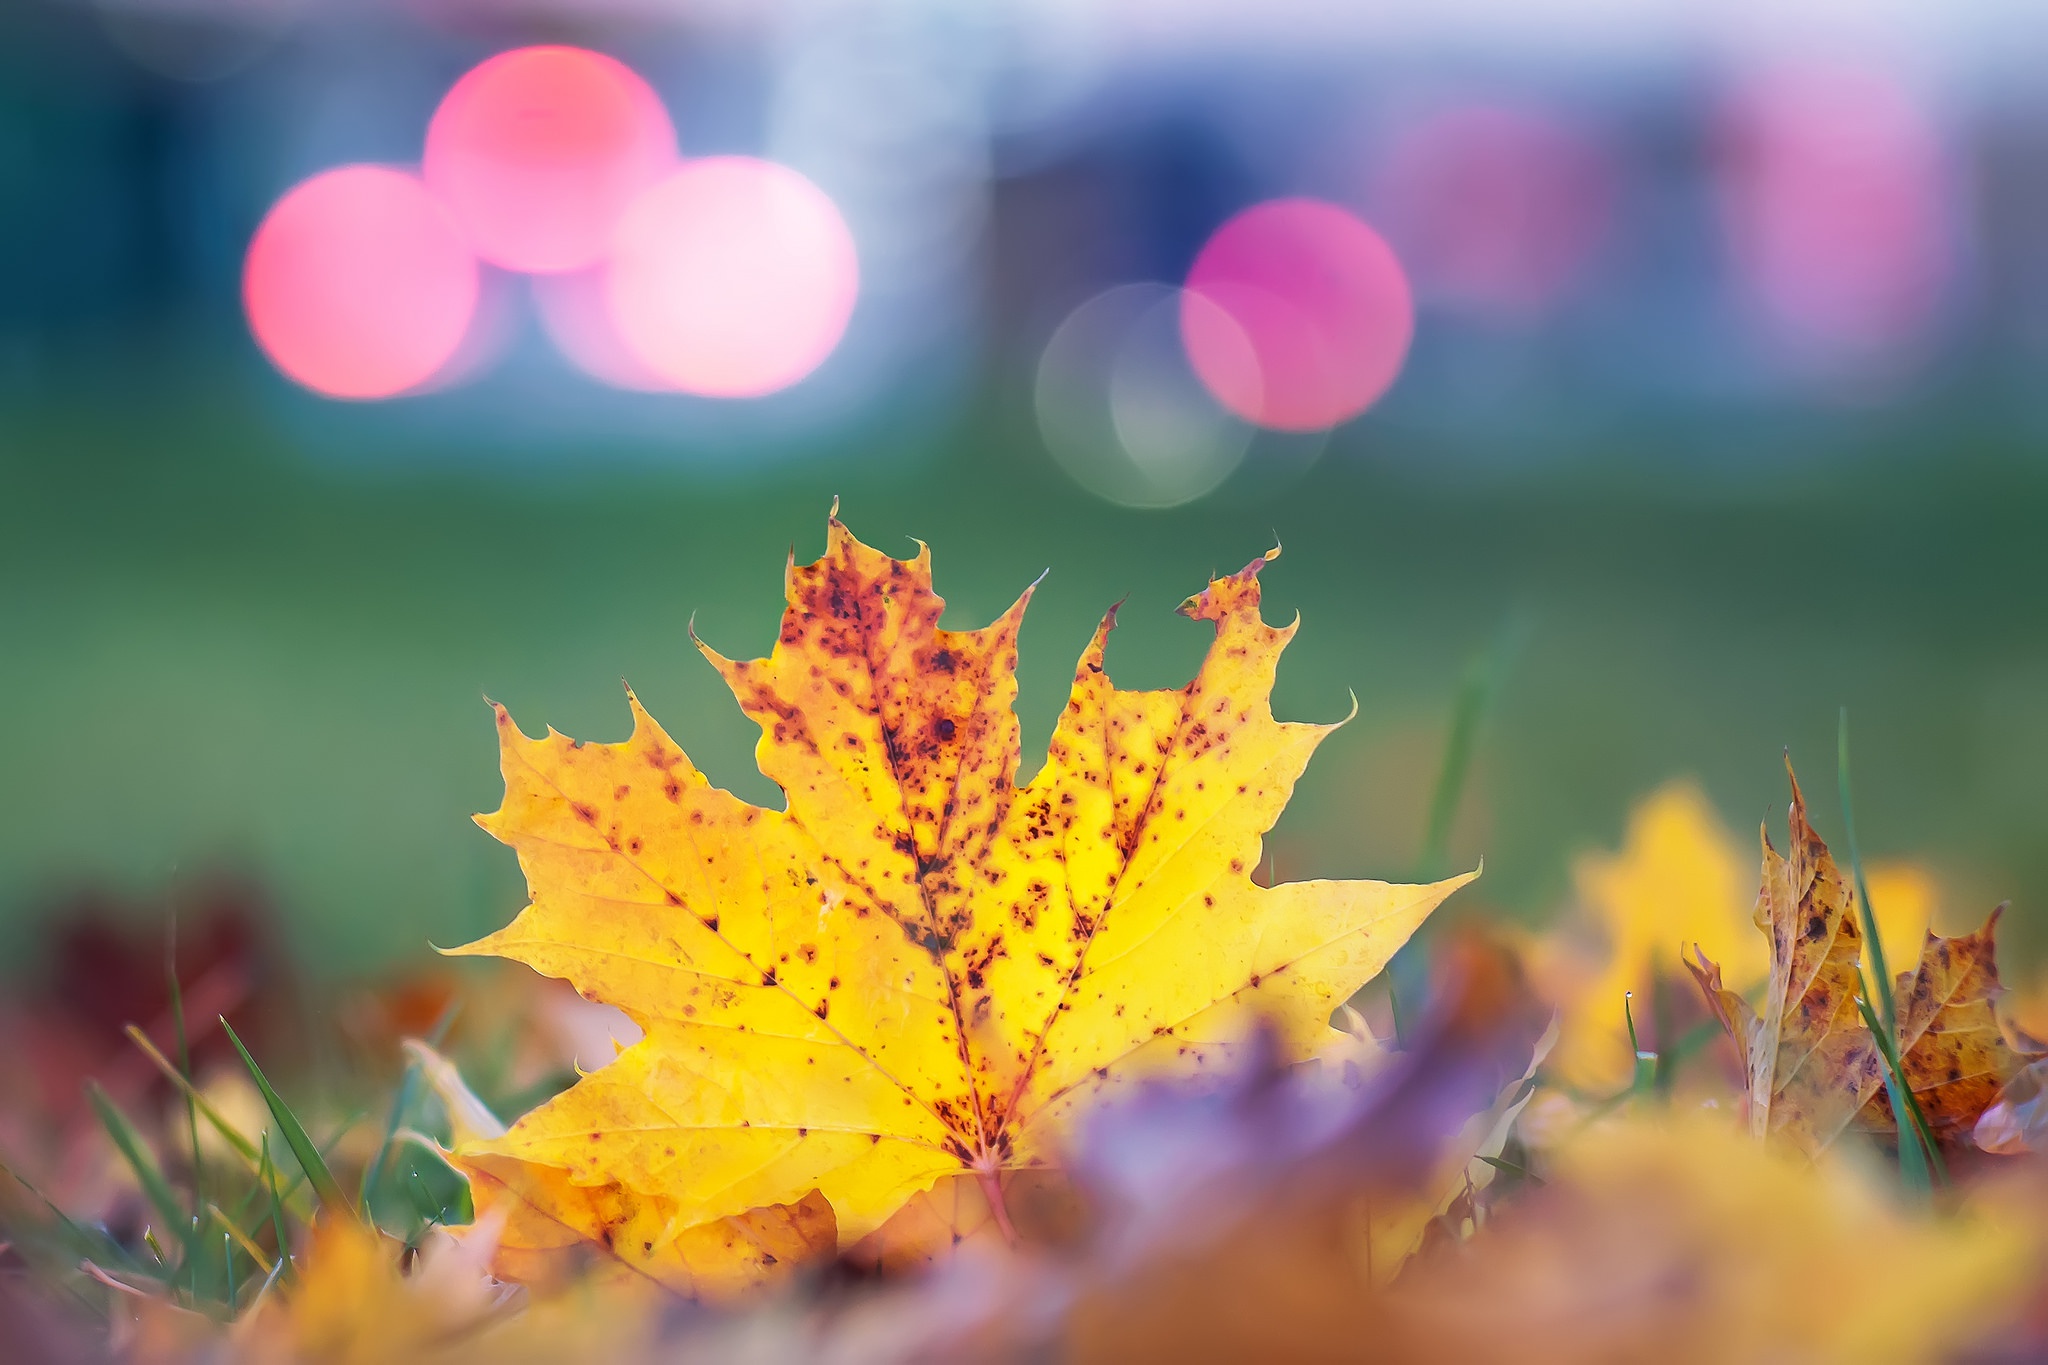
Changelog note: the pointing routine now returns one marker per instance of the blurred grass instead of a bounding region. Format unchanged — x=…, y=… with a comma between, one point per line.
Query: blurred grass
x=220, y=649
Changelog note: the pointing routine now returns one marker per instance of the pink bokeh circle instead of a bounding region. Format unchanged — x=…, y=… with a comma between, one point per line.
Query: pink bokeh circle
x=538, y=151
x=732, y=278
x=1497, y=209
x=1323, y=303
x=357, y=283
x=575, y=313
x=1835, y=194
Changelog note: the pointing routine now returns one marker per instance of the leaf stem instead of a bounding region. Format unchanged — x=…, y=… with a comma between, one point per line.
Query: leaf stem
x=992, y=1190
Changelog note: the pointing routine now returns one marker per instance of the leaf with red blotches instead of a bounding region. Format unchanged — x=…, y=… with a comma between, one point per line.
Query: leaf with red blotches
x=920, y=969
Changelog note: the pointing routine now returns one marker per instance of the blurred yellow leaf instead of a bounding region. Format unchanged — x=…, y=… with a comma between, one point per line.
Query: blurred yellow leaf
x=919, y=969
x=353, y=1302
x=1281, y=1230
x=1906, y=899
x=362, y=1298
x=1687, y=1243
x=1677, y=879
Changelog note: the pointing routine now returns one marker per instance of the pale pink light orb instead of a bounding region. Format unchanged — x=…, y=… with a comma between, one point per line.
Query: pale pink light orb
x=1834, y=193
x=1320, y=300
x=576, y=315
x=1497, y=209
x=732, y=278
x=538, y=151
x=358, y=285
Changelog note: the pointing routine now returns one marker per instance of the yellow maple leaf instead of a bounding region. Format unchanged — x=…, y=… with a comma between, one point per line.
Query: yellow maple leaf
x=919, y=969
x=359, y=1297
x=353, y=1304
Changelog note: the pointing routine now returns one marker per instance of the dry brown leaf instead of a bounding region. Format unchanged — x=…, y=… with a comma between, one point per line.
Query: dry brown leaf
x=1810, y=1061
x=1814, y=1068
x=1954, y=1054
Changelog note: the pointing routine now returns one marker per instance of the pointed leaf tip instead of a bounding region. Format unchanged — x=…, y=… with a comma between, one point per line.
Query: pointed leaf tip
x=1352, y=714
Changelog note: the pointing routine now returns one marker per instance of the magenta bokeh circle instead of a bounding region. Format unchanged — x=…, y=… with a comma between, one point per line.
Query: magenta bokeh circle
x=1323, y=302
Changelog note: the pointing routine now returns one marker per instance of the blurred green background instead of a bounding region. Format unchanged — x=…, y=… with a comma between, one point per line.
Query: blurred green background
x=1724, y=402
x=221, y=651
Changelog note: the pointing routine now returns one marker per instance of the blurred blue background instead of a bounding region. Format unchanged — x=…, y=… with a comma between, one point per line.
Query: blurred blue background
x=1724, y=400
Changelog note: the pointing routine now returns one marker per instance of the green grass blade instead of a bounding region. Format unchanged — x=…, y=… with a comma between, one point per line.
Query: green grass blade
x=1923, y=1130
x=277, y=1272
x=1926, y=1133
x=200, y=1104
x=229, y=1227
x=1476, y=693
x=284, y=1242
x=1918, y=1157
x=325, y=1186
x=408, y=1088
x=177, y=1001
x=1507, y=1167
x=87, y=1242
x=1408, y=972
x=147, y=1172
x=1645, y=1075
x=177, y=997
x=1873, y=945
x=297, y=1178
x=1689, y=1044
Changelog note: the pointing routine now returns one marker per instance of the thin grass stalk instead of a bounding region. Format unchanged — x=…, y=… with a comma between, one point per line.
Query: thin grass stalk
x=1917, y=1155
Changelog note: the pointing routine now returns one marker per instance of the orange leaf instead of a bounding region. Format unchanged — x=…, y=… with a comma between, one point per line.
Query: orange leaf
x=1955, y=1057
